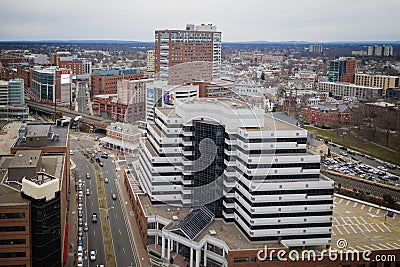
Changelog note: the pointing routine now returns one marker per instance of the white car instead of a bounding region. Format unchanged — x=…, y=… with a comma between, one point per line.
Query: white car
x=80, y=262
x=71, y=152
x=92, y=255
x=80, y=251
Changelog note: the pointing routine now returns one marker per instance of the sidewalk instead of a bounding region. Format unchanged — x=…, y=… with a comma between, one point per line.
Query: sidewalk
x=141, y=251
x=72, y=219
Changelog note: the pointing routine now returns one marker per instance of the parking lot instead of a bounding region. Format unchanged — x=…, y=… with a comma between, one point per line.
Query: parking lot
x=364, y=227
x=352, y=167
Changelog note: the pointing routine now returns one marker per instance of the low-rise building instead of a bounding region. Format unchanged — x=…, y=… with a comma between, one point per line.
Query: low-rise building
x=350, y=91
x=327, y=115
x=123, y=137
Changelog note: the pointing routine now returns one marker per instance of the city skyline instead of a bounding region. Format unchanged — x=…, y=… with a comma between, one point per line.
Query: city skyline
x=256, y=21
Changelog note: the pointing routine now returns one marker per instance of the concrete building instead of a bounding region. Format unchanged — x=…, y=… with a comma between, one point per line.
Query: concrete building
x=12, y=101
x=33, y=207
x=51, y=85
x=379, y=51
x=160, y=94
x=105, y=81
x=382, y=81
x=342, y=70
x=348, y=90
x=249, y=171
x=315, y=48
x=186, y=55
x=150, y=65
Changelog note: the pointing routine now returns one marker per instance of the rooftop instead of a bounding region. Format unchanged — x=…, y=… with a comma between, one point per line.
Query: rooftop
x=41, y=128
x=25, y=158
x=163, y=210
x=10, y=192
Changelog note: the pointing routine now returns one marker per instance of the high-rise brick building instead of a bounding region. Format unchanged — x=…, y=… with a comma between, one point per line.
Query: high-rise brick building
x=187, y=55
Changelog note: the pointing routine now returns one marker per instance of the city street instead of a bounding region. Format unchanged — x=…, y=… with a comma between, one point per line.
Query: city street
x=125, y=255
x=92, y=239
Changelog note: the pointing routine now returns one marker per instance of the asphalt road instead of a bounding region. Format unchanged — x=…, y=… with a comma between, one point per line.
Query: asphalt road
x=125, y=255
x=93, y=239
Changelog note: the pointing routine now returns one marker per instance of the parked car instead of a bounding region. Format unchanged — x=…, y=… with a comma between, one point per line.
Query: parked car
x=86, y=227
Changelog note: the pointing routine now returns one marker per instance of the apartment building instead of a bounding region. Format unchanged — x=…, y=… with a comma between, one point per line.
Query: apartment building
x=382, y=81
x=150, y=65
x=349, y=90
x=186, y=55
x=380, y=50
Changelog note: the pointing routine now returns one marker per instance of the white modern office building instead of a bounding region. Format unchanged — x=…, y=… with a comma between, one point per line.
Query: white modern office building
x=226, y=161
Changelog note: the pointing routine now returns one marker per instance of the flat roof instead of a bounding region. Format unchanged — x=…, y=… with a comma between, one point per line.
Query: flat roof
x=274, y=124
x=34, y=130
x=61, y=131
x=10, y=193
x=163, y=210
x=25, y=158
x=232, y=236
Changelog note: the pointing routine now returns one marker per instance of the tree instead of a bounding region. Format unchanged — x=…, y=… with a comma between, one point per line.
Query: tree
x=262, y=76
x=357, y=119
x=386, y=122
x=389, y=200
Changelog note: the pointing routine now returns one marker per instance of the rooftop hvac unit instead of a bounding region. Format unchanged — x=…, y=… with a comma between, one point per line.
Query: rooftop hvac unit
x=175, y=218
x=212, y=232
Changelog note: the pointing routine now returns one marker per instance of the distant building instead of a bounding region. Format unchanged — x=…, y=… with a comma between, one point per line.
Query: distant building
x=315, y=48
x=342, y=70
x=382, y=81
x=379, y=51
x=359, y=53
x=12, y=101
x=76, y=65
x=105, y=81
x=150, y=65
x=217, y=88
x=187, y=55
x=349, y=90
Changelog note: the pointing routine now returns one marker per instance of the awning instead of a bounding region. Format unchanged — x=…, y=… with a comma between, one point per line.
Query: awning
x=121, y=143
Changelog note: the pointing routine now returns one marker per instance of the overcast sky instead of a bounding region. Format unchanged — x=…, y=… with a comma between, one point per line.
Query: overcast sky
x=239, y=20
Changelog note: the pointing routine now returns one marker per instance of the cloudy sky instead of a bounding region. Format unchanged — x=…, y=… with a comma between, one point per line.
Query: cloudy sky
x=239, y=20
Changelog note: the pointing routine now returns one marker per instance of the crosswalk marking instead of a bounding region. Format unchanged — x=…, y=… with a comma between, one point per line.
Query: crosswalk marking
x=359, y=228
x=368, y=247
x=362, y=219
x=340, y=232
x=377, y=225
x=345, y=228
x=384, y=246
x=387, y=228
x=391, y=246
x=352, y=228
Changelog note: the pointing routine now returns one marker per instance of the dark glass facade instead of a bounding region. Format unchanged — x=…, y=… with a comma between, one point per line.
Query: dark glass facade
x=208, y=165
x=46, y=229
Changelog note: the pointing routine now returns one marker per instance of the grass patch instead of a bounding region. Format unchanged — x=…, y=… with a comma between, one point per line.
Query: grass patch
x=105, y=224
x=352, y=142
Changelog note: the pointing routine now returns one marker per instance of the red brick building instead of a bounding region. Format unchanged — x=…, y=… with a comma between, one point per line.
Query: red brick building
x=105, y=81
x=327, y=115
